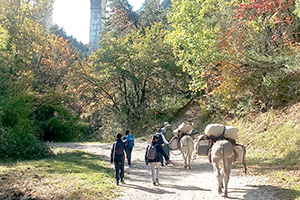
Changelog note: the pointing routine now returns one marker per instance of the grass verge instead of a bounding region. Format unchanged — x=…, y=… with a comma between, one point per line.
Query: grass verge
x=69, y=174
x=273, y=147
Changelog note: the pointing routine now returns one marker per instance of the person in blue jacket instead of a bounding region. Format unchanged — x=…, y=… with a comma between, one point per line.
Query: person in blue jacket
x=128, y=139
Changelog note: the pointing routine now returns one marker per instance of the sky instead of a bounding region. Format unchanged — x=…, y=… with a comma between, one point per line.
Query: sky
x=74, y=16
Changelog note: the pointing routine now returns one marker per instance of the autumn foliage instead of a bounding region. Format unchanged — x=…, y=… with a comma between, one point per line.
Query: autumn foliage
x=35, y=69
x=255, y=54
x=235, y=57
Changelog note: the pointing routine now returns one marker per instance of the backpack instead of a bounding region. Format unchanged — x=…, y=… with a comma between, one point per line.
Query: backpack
x=160, y=139
x=119, y=150
x=151, y=152
x=130, y=141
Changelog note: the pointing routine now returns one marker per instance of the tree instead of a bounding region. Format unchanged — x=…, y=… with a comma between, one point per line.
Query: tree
x=132, y=76
x=34, y=70
x=237, y=52
x=152, y=13
x=22, y=35
x=121, y=19
x=263, y=38
x=195, y=36
x=81, y=48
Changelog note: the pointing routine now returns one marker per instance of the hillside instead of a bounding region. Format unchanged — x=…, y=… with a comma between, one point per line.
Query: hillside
x=273, y=134
x=274, y=145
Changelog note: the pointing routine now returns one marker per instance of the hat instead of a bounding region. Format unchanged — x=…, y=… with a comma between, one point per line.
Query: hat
x=167, y=124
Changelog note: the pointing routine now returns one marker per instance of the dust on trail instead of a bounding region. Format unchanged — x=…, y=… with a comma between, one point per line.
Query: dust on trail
x=177, y=183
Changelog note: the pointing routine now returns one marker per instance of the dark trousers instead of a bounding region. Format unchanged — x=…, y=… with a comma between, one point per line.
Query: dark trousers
x=119, y=167
x=128, y=151
x=166, y=149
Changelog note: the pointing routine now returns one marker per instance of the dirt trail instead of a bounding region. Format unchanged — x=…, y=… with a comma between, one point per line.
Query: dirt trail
x=178, y=183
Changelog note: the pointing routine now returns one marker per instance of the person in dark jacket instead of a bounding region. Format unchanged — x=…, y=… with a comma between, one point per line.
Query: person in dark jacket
x=117, y=156
x=155, y=163
x=163, y=142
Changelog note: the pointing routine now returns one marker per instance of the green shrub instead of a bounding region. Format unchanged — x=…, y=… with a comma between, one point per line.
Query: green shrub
x=57, y=124
x=18, y=143
x=18, y=139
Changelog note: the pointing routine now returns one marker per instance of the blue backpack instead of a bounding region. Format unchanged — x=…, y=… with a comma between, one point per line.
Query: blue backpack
x=130, y=140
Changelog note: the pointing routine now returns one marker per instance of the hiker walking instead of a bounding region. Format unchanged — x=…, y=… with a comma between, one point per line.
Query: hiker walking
x=163, y=142
x=167, y=131
x=153, y=156
x=128, y=139
x=117, y=156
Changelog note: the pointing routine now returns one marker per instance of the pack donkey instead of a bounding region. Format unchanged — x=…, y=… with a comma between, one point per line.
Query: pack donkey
x=222, y=158
x=186, y=146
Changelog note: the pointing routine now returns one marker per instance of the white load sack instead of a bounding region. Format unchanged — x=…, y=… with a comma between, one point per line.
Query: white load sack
x=185, y=127
x=217, y=130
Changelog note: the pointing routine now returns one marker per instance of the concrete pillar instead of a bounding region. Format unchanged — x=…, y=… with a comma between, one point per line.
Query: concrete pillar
x=98, y=8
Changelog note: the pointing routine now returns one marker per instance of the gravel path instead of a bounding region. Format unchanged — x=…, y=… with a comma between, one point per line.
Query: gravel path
x=176, y=182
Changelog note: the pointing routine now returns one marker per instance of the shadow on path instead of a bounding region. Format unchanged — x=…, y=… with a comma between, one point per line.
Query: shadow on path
x=183, y=187
x=154, y=190
x=259, y=191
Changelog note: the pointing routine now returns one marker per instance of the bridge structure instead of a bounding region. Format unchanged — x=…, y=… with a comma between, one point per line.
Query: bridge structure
x=98, y=8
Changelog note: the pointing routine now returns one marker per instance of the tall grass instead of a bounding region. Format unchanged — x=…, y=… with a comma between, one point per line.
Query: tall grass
x=273, y=145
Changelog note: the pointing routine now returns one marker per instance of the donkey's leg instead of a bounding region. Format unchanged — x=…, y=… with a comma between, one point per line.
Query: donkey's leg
x=183, y=152
x=228, y=168
x=185, y=160
x=190, y=157
x=220, y=179
x=226, y=179
x=219, y=176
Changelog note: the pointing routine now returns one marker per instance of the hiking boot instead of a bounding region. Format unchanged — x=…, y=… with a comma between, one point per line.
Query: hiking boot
x=157, y=181
x=117, y=182
x=122, y=181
